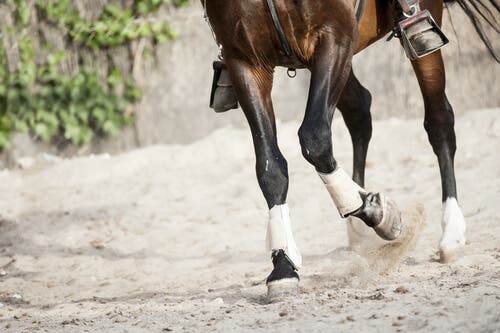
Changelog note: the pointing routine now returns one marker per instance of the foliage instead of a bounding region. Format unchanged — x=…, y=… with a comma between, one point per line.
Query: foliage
x=38, y=99
x=114, y=27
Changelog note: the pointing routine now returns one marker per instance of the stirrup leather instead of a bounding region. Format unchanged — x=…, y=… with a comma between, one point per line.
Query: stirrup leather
x=419, y=33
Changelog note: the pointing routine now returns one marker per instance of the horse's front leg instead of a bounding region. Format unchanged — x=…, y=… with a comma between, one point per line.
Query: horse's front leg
x=253, y=85
x=439, y=124
x=329, y=72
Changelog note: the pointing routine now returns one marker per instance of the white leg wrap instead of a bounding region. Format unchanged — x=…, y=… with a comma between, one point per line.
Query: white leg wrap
x=453, y=225
x=343, y=190
x=280, y=236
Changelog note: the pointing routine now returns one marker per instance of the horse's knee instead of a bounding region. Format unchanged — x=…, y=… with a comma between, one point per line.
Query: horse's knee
x=316, y=144
x=272, y=175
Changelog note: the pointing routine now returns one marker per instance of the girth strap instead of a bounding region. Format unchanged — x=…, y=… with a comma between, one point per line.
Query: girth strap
x=279, y=29
x=359, y=7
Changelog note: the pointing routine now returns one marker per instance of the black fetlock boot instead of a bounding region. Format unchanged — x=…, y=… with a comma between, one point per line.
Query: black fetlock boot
x=419, y=33
x=223, y=96
x=283, y=280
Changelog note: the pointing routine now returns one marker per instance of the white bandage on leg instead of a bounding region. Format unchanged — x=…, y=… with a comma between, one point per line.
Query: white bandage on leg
x=280, y=236
x=343, y=190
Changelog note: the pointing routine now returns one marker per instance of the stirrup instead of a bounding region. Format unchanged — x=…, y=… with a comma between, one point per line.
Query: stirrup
x=420, y=35
x=223, y=96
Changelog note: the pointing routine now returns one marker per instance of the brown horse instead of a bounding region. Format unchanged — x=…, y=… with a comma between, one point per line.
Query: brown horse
x=323, y=37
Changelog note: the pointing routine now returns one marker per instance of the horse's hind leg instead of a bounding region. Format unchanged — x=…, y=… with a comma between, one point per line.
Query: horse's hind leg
x=328, y=76
x=253, y=86
x=439, y=124
x=354, y=104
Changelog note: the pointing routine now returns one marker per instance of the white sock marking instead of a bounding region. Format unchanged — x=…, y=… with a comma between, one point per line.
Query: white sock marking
x=453, y=225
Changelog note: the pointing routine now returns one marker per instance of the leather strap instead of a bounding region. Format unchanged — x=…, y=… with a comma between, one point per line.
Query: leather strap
x=360, y=8
x=279, y=29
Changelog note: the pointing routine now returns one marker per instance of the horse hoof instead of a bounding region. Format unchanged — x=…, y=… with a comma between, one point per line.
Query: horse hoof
x=448, y=254
x=391, y=226
x=450, y=251
x=280, y=289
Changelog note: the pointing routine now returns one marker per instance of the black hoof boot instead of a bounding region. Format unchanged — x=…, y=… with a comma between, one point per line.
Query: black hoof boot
x=283, y=280
x=382, y=214
x=223, y=96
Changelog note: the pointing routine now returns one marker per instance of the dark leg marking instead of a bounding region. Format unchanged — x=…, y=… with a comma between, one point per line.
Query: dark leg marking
x=253, y=86
x=329, y=72
x=439, y=118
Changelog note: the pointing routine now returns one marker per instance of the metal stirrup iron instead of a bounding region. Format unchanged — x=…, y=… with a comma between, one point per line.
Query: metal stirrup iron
x=419, y=33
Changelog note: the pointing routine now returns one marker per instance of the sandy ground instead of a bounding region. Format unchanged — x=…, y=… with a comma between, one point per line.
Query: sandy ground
x=171, y=238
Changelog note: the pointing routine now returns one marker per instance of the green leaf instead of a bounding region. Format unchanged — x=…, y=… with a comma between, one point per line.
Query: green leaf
x=21, y=126
x=42, y=131
x=23, y=13
x=114, y=78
